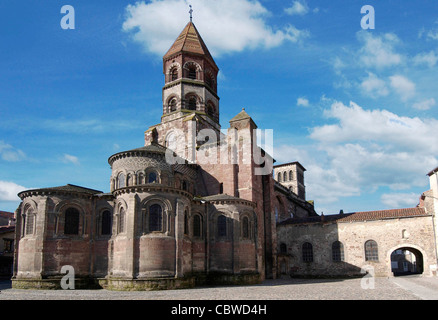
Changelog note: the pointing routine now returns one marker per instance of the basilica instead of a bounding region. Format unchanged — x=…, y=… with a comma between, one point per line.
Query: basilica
x=196, y=206
x=172, y=219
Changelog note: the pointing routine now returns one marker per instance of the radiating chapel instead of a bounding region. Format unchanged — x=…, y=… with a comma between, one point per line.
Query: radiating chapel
x=169, y=221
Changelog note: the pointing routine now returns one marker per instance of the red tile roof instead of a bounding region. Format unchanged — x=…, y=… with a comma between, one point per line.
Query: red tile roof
x=361, y=216
x=384, y=214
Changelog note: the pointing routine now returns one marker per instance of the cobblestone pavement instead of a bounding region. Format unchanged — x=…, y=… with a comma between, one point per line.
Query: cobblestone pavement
x=408, y=288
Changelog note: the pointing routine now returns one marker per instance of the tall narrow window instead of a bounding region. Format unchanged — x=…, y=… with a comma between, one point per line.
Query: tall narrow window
x=279, y=177
x=197, y=226
x=140, y=178
x=371, y=252
x=283, y=248
x=172, y=105
x=222, y=226
x=29, y=222
x=290, y=175
x=284, y=176
x=307, y=251
x=121, y=180
x=245, y=228
x=337, y=251
x=106, y=223
x=186, y=223
x=155, y=218
x=174, y=74
x=71, y=225
x=122, y=220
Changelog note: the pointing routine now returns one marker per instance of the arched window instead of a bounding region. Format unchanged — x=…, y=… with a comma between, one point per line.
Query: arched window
x=29, y=222
x=174, y=74
x=210, y=109
x=197, y=226
x=279, y=177
x=290, y=175
x=191, y=72
x=285, y=176
x=222, y=226
x=121, y=180
x=337, y=251
x=191, y=103
x=283, y=248
x=184, y=185
x=152, y=177
x=172, y=105
x=71, y=222
x=155, y=218
x=307, y=251
x=371, y=252
x=122, y=220
x=106, y=223
x=245, y=228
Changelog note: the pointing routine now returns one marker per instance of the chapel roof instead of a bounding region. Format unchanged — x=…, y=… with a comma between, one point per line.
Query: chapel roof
x=68, y=188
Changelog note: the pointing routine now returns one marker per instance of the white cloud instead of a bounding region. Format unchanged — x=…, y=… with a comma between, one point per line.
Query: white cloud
x=378, y=51
x=9, y=153
x=304, y=102
x=425, y=105
x=368, y=149
x=9, y=191
x=403, y=86
x=225, y=25
x=430, y=59
x=433, y=34
x=374, y=86
x=400, y=200
x=67, y=158
x=297, y=8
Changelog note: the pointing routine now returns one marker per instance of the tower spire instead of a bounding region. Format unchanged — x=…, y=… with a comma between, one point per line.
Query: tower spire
x=190, y=11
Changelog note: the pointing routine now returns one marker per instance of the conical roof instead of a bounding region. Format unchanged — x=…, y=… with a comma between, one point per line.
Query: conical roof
x=189, y=41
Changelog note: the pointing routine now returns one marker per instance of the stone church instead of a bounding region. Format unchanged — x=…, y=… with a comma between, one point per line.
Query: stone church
x=170, y=220
x=197, y=206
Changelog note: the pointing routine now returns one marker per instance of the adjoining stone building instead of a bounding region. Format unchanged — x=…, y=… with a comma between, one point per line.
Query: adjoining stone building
x=169, y=220
x=387, y=242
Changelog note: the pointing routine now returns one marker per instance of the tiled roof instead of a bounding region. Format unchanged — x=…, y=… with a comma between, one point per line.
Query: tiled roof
x=5, y=214
x=5, y=229
x=384, y=214
x=189, y=40
x=360, y=216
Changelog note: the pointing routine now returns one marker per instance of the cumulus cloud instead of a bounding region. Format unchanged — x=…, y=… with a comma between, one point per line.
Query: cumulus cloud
x=9, y=191
x=297, y=8
x=379, y=51
x=227, y=25
x=365, y=150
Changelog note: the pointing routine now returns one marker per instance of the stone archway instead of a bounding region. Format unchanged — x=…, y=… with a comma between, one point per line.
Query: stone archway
x=406, y=260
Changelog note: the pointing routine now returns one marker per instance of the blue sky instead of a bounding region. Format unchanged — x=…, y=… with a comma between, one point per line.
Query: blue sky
x=357, y=108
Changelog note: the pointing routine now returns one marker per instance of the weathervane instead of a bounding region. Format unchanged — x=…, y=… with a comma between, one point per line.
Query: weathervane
x=190, y=11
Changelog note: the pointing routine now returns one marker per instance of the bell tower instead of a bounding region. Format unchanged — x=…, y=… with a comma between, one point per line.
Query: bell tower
x=190, y=88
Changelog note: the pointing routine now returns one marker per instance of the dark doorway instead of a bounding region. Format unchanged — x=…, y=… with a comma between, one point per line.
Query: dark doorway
x=406, y=261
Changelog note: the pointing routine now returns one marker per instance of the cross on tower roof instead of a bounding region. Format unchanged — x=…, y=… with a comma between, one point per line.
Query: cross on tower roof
x=190, y=11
